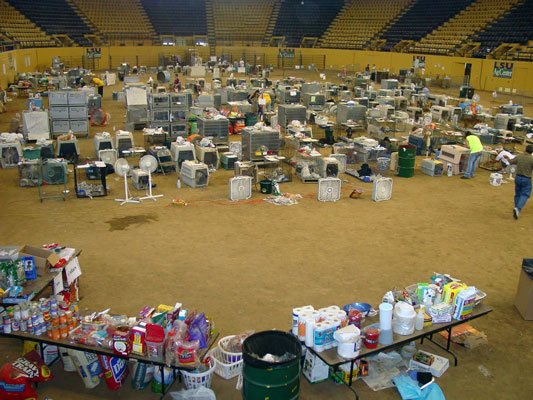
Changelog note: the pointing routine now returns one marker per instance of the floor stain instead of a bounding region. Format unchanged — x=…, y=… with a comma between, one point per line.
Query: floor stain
x=120, y=224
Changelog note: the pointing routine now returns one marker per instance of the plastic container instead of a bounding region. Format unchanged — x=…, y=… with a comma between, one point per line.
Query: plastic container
x=419, y=321
x=155, y=337
x=223, y=369
x=192, y=380
x=266, y=186
x=371, y=338
x=348, y=341
x=404, y=316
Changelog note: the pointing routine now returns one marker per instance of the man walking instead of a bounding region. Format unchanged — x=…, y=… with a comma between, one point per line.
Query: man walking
x=475, y=146
x=522, y=182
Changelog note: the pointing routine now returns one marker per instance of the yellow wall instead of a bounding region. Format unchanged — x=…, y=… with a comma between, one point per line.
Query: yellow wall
x=481, y=77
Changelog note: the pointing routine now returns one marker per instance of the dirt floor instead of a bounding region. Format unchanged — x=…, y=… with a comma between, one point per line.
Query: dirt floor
x=248, y=264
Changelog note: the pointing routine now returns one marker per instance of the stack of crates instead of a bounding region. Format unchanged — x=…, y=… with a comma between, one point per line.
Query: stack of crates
x=169, y=111
x=217, y=129
x=257, y=140
x=290, y=112
x=69, y=112
x=159, y=111
x=355, y=112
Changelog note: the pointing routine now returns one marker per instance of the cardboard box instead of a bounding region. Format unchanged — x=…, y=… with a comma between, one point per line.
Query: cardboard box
x=437, y=367
x=43, y=258
x=524, y=296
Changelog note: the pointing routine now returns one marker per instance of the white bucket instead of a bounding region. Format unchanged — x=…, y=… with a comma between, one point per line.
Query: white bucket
x=348, y=341
x=496, y=179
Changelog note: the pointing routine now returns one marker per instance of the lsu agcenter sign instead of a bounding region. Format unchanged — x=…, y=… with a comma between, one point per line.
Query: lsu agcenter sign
x=503, y=70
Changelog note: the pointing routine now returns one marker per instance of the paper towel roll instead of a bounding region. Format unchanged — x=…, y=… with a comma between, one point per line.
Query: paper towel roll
x=341, y=314
x=385, y=316
x=320, y=337
x=310, y=332
x=323, y=312
x=315, y=315
x=308, y=308
x=334, y=308
x=295, y=313
x=330, y=329
x=301, y=325
x=337, y=324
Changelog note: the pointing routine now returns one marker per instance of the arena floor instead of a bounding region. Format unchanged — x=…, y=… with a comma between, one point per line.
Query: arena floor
x=248, y=265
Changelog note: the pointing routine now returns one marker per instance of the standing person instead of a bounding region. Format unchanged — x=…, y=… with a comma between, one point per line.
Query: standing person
x=522, y=182
x=475, y=146
x=100, y=84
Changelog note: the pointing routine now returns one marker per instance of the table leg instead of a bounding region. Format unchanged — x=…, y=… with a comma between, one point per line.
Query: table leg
x=448, y=344
x=162, y=370
x=349, y=384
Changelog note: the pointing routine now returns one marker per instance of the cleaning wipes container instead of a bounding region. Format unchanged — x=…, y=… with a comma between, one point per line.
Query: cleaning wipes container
x=348, y=341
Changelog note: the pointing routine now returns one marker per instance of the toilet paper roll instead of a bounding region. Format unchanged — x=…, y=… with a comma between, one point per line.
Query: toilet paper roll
x=329, y=333
x=308, y=308
x=385, y=316
x=334, y=308
x=310, y=332
x=320, y=337
x=336, y=324
x=301, y=325
x=295, y=313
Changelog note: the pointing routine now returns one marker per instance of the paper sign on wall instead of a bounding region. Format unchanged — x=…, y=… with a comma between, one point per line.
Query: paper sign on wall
x=73, y=270
x=58, y=283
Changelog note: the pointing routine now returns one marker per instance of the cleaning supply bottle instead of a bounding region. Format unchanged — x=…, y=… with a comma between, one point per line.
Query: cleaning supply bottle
x=419, y=321
x=449, y=170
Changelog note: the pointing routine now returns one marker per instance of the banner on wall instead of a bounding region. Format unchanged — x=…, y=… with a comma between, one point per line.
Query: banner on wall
x=503, y=70
x=286, y=53
x=419, y=61
x=93, y=53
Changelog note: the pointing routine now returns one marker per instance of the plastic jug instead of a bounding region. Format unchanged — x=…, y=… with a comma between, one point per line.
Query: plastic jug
x=155, y=337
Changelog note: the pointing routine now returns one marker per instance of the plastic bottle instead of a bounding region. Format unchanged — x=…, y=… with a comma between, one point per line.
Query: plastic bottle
x=419, y=321
x=179, y=183
x=449, y=171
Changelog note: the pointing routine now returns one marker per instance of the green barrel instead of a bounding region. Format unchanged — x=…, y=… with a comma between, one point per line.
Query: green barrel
x=406, y=161
x=264, y=380
x=250, y=119
x=266, y=186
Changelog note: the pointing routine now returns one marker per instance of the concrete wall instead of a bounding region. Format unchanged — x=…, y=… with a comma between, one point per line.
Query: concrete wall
x=481, y=78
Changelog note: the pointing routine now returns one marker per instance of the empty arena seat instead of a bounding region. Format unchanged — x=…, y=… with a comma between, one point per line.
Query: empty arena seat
x=177, y=17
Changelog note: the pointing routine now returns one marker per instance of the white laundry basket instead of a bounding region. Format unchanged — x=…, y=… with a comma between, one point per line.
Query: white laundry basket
x=193, y=380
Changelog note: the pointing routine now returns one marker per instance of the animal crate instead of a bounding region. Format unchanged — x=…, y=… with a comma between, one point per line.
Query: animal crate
x=432, y=167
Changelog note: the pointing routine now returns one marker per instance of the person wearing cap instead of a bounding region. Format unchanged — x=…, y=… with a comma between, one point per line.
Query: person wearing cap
x=522, y=181
x=475, y=146
x=100, y=84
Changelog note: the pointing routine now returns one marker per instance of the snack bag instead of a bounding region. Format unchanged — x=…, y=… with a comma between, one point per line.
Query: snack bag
x=115, y=371
x=16, y=377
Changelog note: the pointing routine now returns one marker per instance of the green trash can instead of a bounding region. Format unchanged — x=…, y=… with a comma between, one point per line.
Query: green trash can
x=406, y=161
x=271, y=380
x=250, y=119
x=266, y=186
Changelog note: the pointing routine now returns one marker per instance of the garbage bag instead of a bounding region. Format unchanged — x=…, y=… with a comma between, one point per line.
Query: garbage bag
x=200, y=393
x=409, y=389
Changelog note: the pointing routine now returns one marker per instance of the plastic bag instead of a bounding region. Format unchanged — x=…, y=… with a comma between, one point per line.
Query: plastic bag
x=17, y=376
x=409, y=389
x=200, y=393
x=234, y=345
x=198, y=330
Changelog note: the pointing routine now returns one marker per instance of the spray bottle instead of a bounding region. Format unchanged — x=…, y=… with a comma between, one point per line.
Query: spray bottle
x=449, y=171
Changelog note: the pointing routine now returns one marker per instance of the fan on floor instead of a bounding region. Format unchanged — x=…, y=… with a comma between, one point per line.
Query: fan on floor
x=382, y=189
x=149, y=165
x=329, y=189
x=54, y=172
x=240, y=188
x=121, y=169
x=109, y=157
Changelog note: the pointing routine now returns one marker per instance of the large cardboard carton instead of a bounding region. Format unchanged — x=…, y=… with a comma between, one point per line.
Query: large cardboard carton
x=43, y=258
x=524, y=295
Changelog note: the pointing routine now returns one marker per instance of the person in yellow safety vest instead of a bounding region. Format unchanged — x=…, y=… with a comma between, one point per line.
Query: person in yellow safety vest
x=100, y=84
x=475, y=146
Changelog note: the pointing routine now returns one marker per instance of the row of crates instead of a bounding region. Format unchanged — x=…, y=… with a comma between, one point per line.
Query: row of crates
x=69, y=112
x=169, y=100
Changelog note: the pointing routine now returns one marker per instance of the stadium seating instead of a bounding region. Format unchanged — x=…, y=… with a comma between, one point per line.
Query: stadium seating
x=358, y=23
x=177, y=17
x=16, y=27
x=421, y=18
x=449, y=36
x=236, y=21
x=55, y=17
x=299, y=19
x=513, y=27
x=123, y=19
